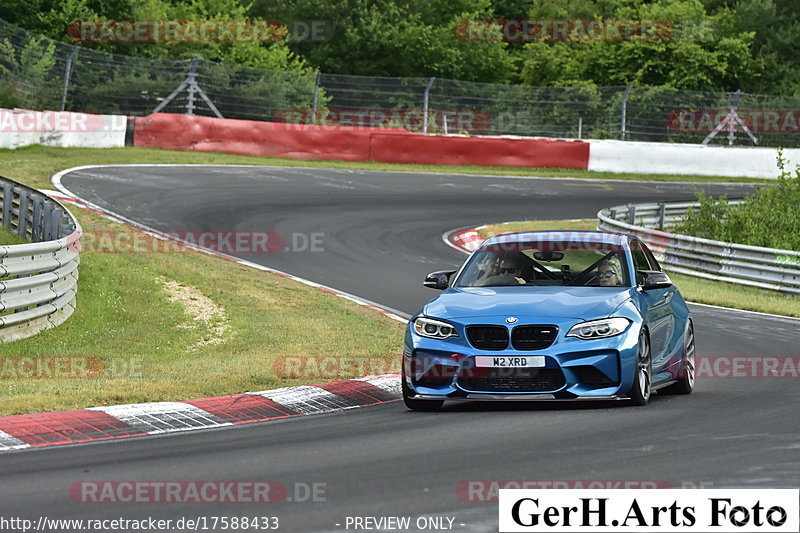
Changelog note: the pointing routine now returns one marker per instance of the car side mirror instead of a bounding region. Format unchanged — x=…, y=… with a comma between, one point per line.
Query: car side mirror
x=653, y=279
x=438, y=280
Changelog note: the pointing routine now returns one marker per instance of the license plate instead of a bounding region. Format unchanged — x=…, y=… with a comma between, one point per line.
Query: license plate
x=487, y=361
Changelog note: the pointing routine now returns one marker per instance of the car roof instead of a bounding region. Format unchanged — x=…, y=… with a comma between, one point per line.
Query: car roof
x=608, y=237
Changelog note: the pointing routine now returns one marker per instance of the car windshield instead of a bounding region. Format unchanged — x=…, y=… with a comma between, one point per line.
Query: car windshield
x=584, y=263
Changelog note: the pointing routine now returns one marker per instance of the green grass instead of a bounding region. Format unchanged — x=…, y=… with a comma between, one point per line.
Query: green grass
x=9, y=237
x=124, y=318
x=693, y=289
x=35, y=164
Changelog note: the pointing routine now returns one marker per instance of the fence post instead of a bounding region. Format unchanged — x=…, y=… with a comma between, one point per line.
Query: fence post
x=425, y=105
x=732, y=126
x=662, y=211
x=191, y=87
x=316, y=97
x=624, y=121
x=67, y=75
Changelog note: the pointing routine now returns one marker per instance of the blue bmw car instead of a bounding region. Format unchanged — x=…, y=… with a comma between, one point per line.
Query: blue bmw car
x=550, y=315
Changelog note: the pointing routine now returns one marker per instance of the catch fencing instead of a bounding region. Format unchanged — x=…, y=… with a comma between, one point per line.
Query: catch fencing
x=38, y=280
x=39, y=73
x=755, y=266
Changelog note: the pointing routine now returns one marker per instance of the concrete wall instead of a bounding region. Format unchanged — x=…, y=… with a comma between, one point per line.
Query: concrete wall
x=19, y=127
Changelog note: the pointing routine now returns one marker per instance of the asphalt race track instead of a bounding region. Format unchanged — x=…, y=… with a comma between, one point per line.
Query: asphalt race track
x=382, y=234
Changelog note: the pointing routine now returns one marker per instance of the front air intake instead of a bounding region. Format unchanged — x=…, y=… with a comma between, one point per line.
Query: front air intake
x=533, y=337
x=488, y=337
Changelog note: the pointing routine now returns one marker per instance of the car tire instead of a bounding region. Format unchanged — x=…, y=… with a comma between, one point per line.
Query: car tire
x=685, y=383
x=418, y=405
x=642, y=386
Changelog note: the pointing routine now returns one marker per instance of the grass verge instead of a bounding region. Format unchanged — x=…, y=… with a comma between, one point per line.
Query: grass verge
x=35, y=164
x=9, y=237
x=693, y=289
x=140, y=318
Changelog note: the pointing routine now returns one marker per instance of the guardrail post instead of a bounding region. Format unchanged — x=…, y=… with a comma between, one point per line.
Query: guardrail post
x=631, y=214
x=22, y=220
x=55, y=216
x=613, y=214
x=8, y=198
x=662, y=211
x=47, y=226
x=36, y=223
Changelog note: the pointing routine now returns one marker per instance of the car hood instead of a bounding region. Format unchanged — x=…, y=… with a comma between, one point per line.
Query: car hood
x=584, y=303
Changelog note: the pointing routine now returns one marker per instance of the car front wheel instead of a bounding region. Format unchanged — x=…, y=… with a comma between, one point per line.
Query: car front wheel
x=642, y=379
x=418, y=405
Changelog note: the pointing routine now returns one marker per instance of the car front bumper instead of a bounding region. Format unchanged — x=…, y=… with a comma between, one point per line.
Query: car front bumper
x=600, y=369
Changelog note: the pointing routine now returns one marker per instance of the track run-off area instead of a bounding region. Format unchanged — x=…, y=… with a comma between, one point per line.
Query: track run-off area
x=381, y=232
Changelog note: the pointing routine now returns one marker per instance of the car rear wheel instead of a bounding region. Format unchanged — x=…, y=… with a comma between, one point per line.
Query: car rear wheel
x=418, y=405
x=686, y=373
x=642, y=380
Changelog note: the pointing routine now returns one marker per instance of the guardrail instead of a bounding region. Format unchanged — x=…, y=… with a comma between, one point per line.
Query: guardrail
x=38, y=281
x=767, y=268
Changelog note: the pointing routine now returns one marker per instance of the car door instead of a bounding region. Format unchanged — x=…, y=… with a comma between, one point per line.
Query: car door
x=656, y=308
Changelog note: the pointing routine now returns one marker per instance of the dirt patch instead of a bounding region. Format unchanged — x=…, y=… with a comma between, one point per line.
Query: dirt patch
x=208, y=317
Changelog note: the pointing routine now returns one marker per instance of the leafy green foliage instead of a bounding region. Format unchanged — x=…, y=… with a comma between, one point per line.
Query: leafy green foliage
x=394, y=38
x=24, y=71
x=52, y=18
x=714, y=45
x=769, y=218
x=687, y=56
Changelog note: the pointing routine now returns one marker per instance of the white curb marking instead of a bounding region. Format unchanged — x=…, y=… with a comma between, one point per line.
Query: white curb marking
x=163, y=417
x=306, y=399
x=7, y=442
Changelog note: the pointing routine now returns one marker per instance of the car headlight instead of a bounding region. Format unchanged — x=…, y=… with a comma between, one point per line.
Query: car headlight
x=434, y=329
x=599, y=329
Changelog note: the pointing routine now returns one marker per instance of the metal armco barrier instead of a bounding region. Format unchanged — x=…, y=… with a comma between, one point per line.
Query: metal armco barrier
x=767, y=268
x=38, y=281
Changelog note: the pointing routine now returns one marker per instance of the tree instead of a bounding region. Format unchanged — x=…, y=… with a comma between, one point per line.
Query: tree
x=395, y=38
x=693, y=50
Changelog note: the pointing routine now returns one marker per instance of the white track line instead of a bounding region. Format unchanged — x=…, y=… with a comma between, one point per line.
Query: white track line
x=55, y=179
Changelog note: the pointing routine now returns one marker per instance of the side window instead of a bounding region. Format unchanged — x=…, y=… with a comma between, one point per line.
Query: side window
x=651, y=258
x=640, y=261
